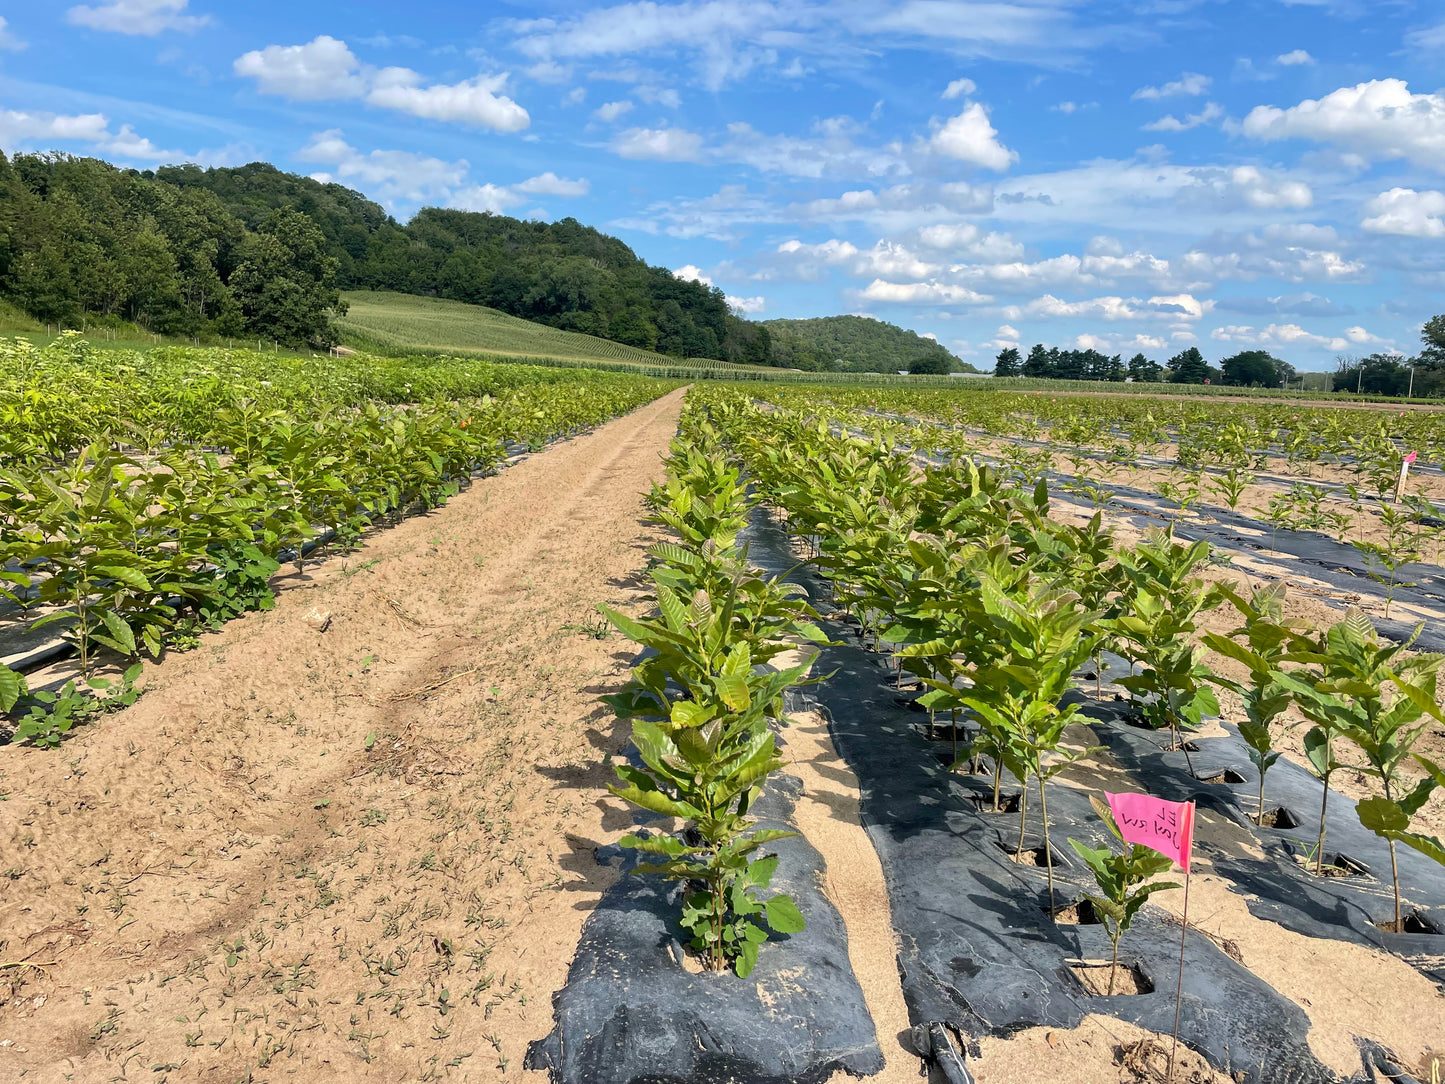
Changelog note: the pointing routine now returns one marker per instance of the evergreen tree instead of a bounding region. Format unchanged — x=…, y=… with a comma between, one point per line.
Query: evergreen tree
x=1188, y=367
x=1037, y=364
x=1008, y=363
x=1144, y=371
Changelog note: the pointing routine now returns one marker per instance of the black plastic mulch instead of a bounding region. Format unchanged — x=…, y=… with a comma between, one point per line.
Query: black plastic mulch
x=632, y=1014
x=980, y=953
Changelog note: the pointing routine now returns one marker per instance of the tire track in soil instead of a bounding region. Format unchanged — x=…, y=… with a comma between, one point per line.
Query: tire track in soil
x=301, y=855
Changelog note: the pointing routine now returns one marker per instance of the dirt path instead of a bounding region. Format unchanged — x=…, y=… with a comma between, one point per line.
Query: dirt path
x=357, y=854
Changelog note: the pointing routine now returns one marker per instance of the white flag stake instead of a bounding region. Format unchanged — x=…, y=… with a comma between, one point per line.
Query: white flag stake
x=1179, y=991
x=1404, y=470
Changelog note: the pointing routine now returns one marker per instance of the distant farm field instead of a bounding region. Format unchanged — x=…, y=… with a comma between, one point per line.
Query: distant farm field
x=389, y=322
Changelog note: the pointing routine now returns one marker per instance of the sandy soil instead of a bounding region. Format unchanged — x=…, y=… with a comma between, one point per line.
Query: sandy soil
x=363, y=853
x=828, y=815
x=1346, y=990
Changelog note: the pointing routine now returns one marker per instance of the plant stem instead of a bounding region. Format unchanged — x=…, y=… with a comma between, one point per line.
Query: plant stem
x=1324, y=804
x=1048, y=852
x=1023, y=817
x=1259, y=816
x=1394, y=868
x=1114, y=966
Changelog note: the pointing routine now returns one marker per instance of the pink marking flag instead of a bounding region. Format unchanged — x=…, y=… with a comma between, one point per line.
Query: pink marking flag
x=1411, y=457
x=1166, y=827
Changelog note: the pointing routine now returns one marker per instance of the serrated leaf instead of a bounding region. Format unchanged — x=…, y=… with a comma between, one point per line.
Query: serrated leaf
x=784, y=916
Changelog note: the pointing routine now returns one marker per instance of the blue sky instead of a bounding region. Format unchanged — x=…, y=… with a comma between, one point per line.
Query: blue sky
x=1141, y=175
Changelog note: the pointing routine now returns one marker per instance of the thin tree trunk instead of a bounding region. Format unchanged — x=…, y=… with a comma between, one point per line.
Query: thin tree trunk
x=1023, y=818
x=1394, y=870
x=1048, y=852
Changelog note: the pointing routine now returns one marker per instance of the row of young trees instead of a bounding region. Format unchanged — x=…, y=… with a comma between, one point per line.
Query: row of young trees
x=1248, y=368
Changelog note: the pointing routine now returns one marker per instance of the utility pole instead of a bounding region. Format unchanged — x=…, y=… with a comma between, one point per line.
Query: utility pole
x=1359, y=379
x=1411, y=393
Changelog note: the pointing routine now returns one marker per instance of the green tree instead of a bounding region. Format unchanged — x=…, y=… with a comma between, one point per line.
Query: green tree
x=286, y=283
x=1038, y=362
x=1188, y=367
x=1376, y=374
x=1144, y=371
x=1253, y=369
x=931, y=365
x=1009, y=362
x=41, y=283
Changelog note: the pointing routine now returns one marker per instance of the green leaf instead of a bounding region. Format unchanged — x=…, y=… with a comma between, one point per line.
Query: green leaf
x=747, y=959
x=784, y=916
x=131, y=577
x=124, y=637
x=1382, y=816
x=12, y=688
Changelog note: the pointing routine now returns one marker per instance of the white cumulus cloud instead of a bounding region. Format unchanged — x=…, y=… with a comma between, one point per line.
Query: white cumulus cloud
x=970, y=137
x=17, y=126
x=493, y=198
x=1212, y=111
x=1294, y=58
x=1277, y=335
x=473, y=102
x=663, y=144
x=922, y=293
x=692, y=273
x=389, y=175
x=1178, y=307
x=746, y=306
x=140, y=17
x=401, y=176
x=549, y=184
x=1406, y=212
x=325, y=69
x=1190, y=84
x=610, y=111
x=960, y=88
x=1381, y=119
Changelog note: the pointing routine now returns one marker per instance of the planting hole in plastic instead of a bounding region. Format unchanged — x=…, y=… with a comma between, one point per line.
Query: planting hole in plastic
x=1008, y=802
x=1078, y=913
x=1279, y=818
x=1094, y=978
x=1229, y=776
x=1335, y=865
x=1032, y=856
x=1414, y=922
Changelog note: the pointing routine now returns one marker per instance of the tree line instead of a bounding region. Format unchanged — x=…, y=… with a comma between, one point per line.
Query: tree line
x=1248, y=368
x=1422, y=376
x=1376, y=374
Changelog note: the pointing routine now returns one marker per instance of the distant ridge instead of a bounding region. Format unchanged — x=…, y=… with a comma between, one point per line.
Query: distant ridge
x=856, y=344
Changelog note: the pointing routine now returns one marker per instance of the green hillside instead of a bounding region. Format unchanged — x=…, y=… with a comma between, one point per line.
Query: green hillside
x=386, y=322
x=855, y=344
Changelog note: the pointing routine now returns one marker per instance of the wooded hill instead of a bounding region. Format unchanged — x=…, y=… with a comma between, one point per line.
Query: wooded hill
x=255, y=251
x=857, y=344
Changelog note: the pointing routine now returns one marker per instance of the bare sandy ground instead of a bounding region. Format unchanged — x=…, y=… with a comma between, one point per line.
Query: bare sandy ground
x=363, y=853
